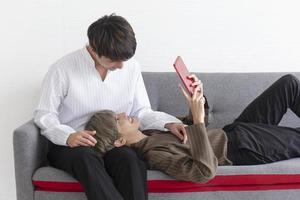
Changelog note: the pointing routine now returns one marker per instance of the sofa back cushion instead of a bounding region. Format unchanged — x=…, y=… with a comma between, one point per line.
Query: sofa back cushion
x=227, y=94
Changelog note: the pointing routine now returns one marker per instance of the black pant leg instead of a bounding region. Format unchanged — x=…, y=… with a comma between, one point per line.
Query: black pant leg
x=257, y=143
x=88, y=168
x=272, y=104
x=128, y=172
x=254, y=137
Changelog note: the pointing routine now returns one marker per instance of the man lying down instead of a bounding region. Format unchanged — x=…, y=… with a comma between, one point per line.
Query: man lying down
x=250, y=140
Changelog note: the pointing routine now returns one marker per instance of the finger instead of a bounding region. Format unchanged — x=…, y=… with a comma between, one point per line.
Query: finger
x=183, y=131
x=196, y=83
x=178, y=135
x=184, y=92
x=196, y=93
x=193, y=77
x=72, y=145
x=201, y=87
x=90, y=132
x=199, y=92
x=79, y=143
x=86, y=141
x=89, y=137
x=203, y=99
x=200, y=97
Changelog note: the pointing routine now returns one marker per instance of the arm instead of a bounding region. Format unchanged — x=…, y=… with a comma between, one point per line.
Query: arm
x=46, y=115
x=142, y=109
x=200, y=166
x=53, y=91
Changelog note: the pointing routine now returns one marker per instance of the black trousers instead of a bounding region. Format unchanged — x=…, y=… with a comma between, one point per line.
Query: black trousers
x=120, y=174
x=255, y=137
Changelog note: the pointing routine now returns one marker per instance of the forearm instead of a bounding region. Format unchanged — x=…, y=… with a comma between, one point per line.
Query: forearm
x=201, y=149
x=156, y=120
x=198, y=116
x=51, y=127
x=54, y=89
x=196, y=105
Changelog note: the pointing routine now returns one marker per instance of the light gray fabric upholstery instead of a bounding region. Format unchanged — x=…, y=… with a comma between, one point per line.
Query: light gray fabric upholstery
x=60, y=195
x=291, y=166
x=30, y=149
x=227, y=94
x=238, y=195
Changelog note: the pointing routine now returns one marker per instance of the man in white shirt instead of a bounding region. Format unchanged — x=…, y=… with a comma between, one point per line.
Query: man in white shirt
x=99, y=76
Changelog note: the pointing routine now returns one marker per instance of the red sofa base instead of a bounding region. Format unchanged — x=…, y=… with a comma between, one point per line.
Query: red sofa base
x=219, y=183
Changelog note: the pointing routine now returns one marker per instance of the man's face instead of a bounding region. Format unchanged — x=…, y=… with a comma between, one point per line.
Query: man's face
x=106, y=62
x=109, y=64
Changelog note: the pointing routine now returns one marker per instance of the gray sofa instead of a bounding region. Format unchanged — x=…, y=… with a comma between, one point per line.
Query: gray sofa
x=227, y=94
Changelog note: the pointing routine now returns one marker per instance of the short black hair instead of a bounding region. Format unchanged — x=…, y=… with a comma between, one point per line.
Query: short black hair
x=112, y=36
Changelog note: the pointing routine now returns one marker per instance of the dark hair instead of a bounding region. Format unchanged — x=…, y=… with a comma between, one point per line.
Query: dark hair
x=113, y=37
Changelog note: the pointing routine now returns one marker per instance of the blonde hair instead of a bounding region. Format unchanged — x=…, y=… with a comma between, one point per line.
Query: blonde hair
x=105, y=124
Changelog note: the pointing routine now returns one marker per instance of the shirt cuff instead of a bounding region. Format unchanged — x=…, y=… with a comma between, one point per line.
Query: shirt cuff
x=59, y=134
x=171, y=120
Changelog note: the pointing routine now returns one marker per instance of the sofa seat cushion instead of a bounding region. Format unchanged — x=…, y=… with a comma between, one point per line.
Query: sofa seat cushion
x=274, y=176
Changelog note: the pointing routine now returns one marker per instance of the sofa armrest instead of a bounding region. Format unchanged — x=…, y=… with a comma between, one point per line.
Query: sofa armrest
x=30, y=149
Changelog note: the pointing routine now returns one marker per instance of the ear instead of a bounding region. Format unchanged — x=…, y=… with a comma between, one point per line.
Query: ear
x=120, y=142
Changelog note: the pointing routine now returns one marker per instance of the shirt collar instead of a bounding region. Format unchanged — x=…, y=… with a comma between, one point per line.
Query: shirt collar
x=89, y=58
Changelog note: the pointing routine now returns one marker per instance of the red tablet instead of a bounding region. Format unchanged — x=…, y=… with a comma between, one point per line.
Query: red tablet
x=183, y=74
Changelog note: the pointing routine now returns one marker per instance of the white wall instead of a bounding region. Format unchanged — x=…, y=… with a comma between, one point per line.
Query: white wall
x=212, y=36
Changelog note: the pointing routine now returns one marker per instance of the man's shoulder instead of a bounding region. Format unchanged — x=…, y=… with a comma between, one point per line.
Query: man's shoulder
x=70, y=60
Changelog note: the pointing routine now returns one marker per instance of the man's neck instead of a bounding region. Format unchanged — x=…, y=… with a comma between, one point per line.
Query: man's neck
x=92, y=54
x=102, y=71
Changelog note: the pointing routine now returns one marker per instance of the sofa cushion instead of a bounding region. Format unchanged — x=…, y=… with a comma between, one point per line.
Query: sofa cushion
x=275, y=176
x=228, y=94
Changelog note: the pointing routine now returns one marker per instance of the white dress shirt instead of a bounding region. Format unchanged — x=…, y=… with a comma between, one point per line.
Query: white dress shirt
x=72, y=91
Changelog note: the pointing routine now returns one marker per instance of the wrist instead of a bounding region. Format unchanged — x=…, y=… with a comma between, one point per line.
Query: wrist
x=69, y=139
x=167, y=125
x=198, y=119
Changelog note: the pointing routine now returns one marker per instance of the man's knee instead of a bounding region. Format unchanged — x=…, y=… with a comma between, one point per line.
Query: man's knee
x=289, y=78
x=124, y=151
x=121, y=155
x=85, y=155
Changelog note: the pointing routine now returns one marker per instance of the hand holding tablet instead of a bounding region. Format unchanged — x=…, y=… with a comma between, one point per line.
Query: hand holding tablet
x=184, y=74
